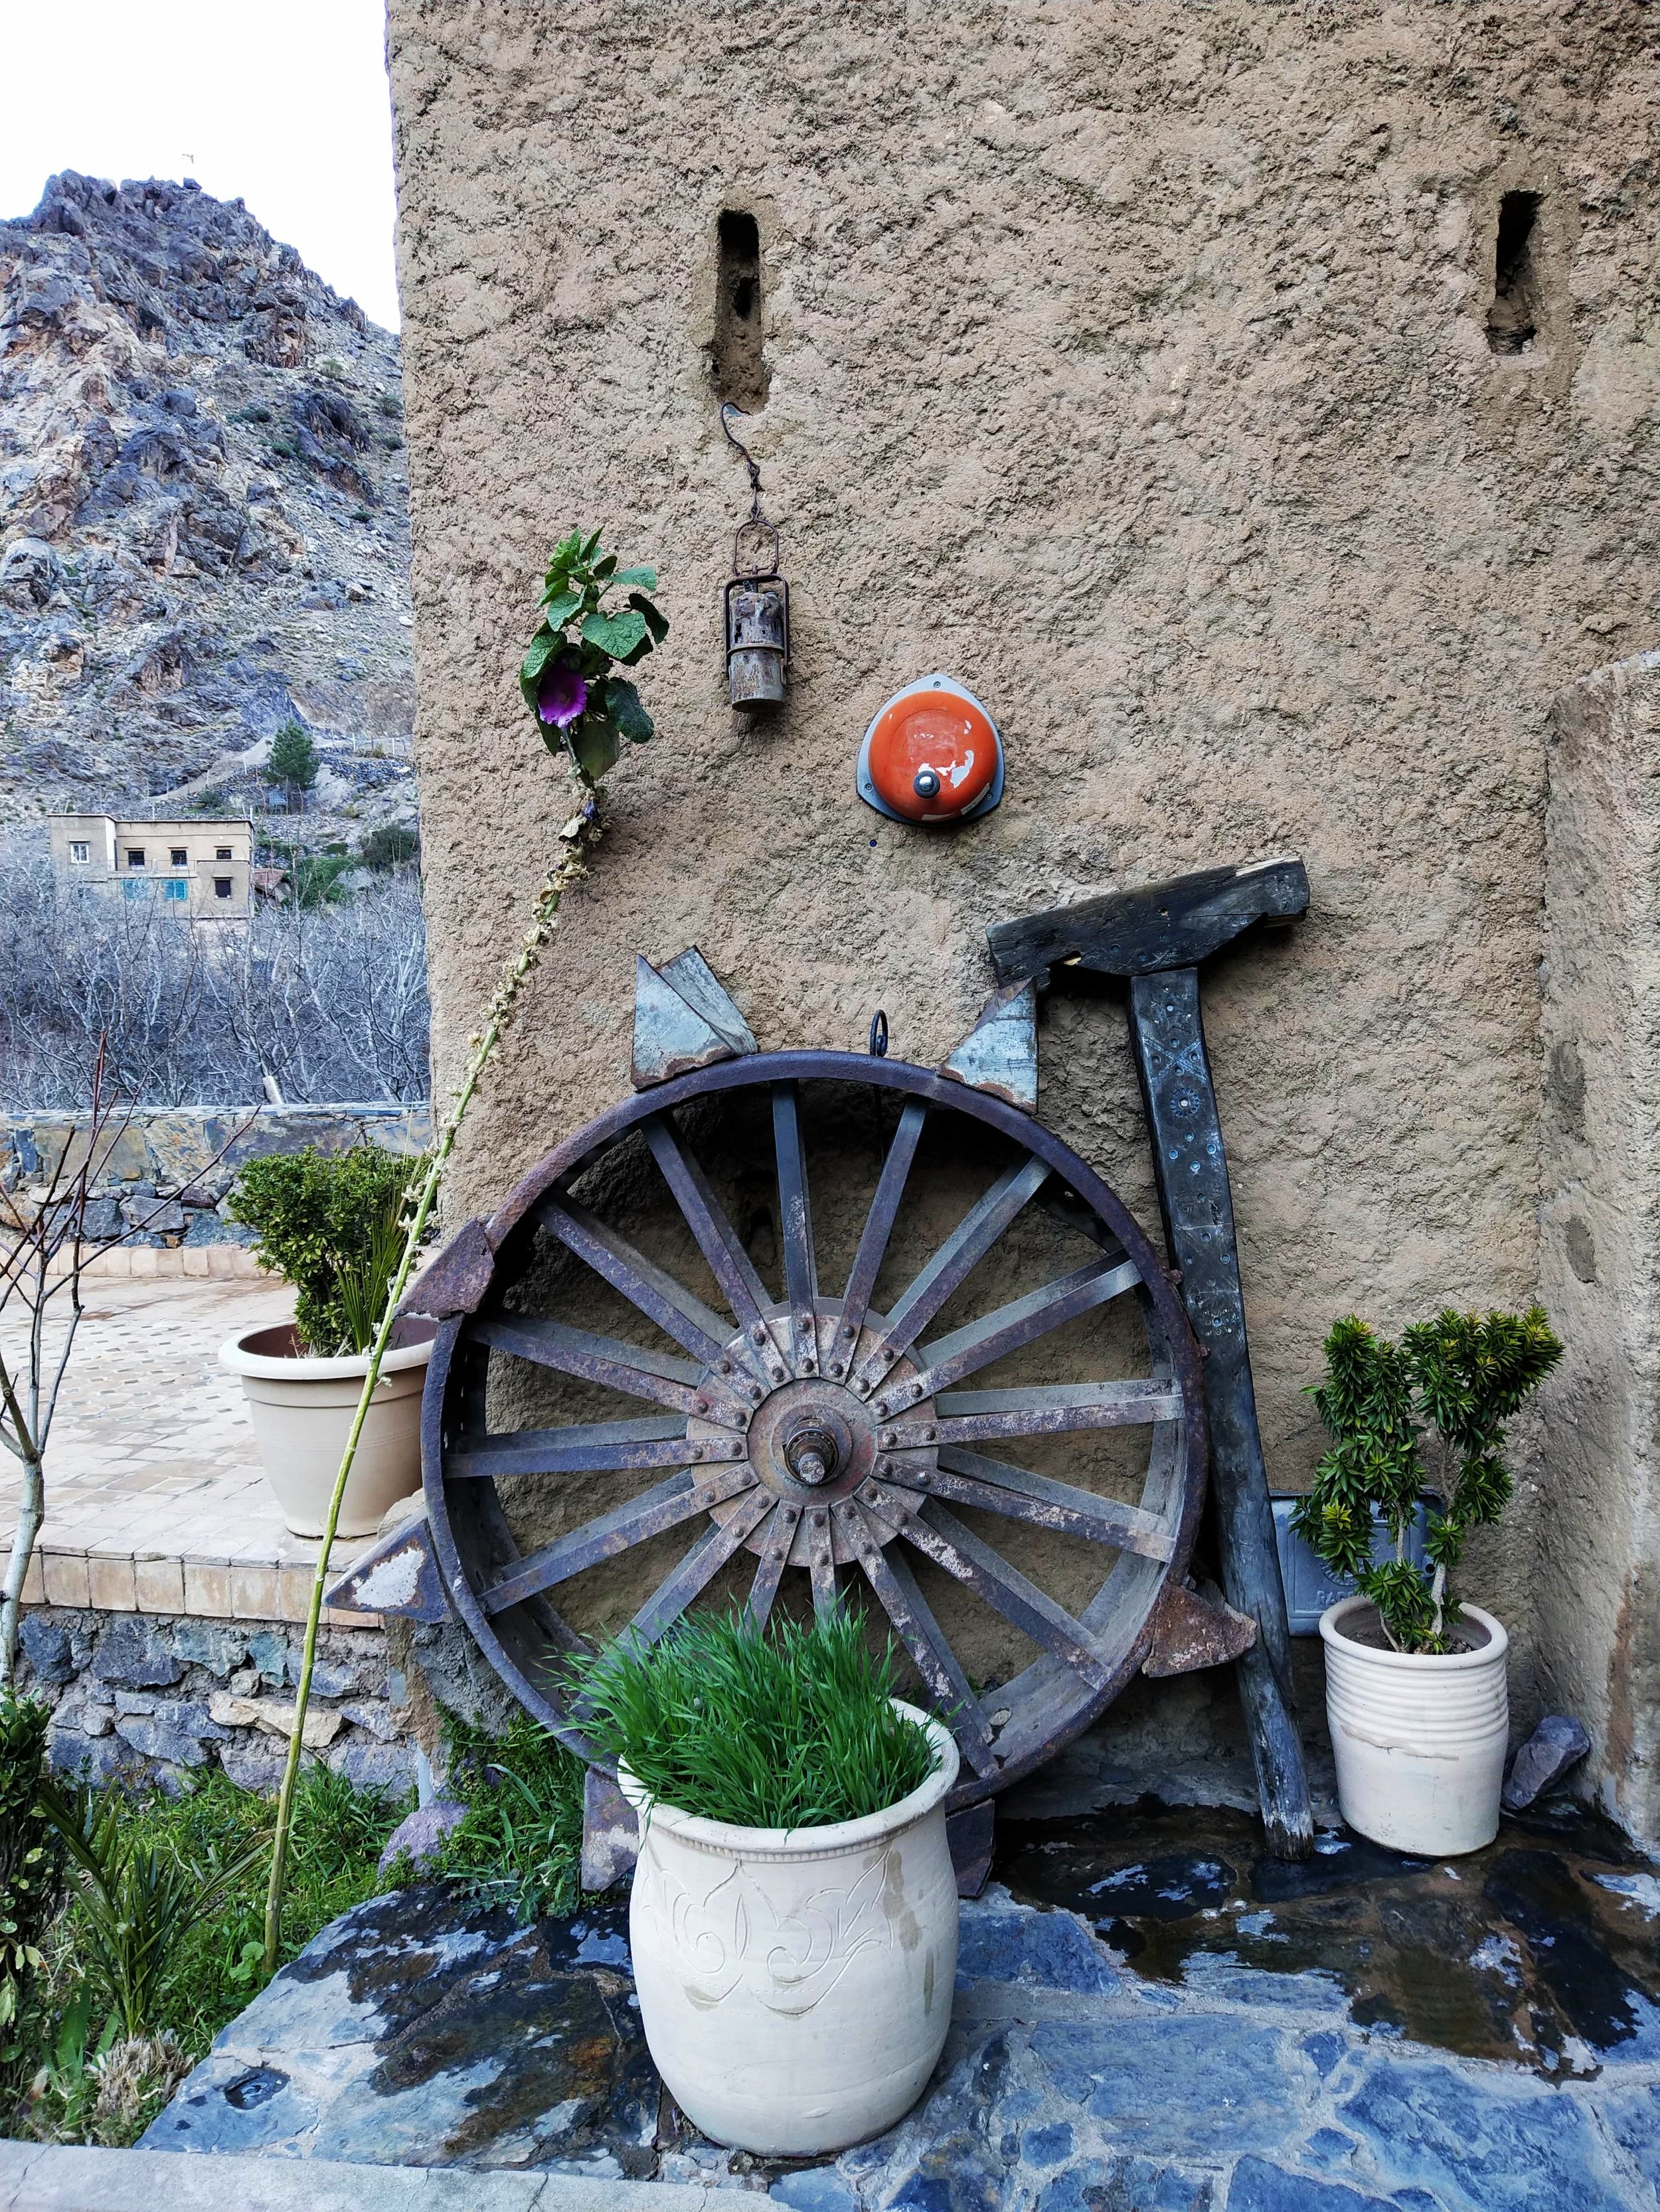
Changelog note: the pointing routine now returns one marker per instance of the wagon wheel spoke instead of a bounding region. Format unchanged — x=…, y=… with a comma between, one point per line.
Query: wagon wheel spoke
x=879, y=1228
x=921, y=1634
x=795, y=1226
x=1049, y=1409
x=586, y=1448
x=663, y=1506
x=821, y=1564
x=780, y=1536
x=962, y=1251
x=698, y=1569
x=969, y=1479
x=729, y=1263
x=604, y=1359
x=675, y=1309
x=942, y=1538
x=948, y=1358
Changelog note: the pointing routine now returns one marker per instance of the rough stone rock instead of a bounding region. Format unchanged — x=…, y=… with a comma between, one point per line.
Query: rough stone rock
x=209, y=1643
x=379, y=1720
x=388, y=1767
x=335, y=1677
x=92, y=1759
x=1558, y=1743
x=47, y=1647
x=158, y=1217
x=420, y=1833
x=267, y=1648
x=252, y=1763
x=322, y=1723
x=186, y=443
x=176, y=1732
x=133, y=1652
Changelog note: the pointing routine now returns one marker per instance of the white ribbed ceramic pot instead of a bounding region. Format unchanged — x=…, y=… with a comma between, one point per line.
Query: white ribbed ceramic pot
x=795, y=1985
x=1418, y=1742
x=302, y=1408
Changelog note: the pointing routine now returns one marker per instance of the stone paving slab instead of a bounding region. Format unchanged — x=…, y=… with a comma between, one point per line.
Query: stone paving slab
x=156, y=1502
x=38, y=2177
x=422, y=2029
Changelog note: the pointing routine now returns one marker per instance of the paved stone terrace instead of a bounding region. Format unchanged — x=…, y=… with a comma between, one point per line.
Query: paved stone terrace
x=155, y=1502
x=420, y=2031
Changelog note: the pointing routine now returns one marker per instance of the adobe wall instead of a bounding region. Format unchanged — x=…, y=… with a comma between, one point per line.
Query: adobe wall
x=1598, y=1534
x=1131, y=362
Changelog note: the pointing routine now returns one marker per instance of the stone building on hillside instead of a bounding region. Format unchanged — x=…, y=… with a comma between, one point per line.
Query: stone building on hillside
x=1251, y=404
x=199, y=871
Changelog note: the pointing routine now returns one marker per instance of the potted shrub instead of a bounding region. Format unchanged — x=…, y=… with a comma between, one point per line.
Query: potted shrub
x=331, y=1224
x=1416, y=1688
x=794, y=1916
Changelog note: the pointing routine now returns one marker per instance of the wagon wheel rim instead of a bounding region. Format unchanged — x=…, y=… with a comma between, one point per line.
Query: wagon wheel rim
x=818, y=1431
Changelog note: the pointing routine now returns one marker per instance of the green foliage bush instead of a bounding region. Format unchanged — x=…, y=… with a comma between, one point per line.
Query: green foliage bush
x=1443, y=1394
x=520, y=1841
x=788, y=1726
x=393, y=845
x=329, y=1223
x=31, y=1859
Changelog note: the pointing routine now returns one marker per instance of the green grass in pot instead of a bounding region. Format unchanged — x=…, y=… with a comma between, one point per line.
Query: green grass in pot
x=329, y=1223
x=788, y=1726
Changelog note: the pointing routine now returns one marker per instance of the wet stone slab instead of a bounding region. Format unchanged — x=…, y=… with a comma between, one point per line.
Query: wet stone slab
x=1149, y=2018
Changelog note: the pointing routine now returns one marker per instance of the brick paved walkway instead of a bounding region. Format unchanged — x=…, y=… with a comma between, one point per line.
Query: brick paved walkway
x=155, y=1500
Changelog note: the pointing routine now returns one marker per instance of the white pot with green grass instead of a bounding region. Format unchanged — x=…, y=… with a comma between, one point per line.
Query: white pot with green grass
x=330, y=1223
x=1416, y=1696
x=794, y=1965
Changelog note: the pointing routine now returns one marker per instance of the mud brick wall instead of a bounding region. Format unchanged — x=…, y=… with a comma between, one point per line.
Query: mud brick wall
x=1143, y=365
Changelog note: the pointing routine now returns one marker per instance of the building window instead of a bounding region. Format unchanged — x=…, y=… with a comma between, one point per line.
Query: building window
x=221, y=887
x=135, y=856
x=136, y=891
x=80, y=850
x=176, y=889
x=222, y=852
x=178, y=856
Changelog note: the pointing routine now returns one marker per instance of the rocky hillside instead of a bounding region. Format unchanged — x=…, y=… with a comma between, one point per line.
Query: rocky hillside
x=203, y=514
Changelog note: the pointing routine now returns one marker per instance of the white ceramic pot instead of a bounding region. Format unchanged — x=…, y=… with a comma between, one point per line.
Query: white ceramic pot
x=795, y=1985
x=1418, y=1742
x=301, y=1409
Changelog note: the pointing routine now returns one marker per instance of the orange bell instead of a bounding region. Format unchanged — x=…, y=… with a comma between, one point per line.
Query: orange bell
x=933, y=755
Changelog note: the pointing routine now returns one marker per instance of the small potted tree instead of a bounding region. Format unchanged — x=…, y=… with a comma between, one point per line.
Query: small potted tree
x=794, y=1916
x=332, y=1225
x=1415, y=1690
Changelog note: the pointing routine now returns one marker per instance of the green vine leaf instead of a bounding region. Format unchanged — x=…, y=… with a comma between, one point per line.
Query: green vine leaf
x=623, y=706
x=560, y=606
x=595, y=744
x=646, y=579
x=618, y=635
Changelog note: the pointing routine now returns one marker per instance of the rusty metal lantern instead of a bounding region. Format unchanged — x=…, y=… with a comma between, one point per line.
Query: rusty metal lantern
x=756, y=604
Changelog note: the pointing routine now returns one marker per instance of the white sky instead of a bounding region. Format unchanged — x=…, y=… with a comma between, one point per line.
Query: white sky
x=280, y=103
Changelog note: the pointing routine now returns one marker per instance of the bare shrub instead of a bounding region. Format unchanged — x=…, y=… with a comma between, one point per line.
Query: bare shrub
x=329, y=1004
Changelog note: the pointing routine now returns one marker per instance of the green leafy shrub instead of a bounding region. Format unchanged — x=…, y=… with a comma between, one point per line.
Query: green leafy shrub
x=1428, y=1412
x=788, y=1727
x=392, y=845
x=31, y=1858
x=329, y=1223
x=520, y=1839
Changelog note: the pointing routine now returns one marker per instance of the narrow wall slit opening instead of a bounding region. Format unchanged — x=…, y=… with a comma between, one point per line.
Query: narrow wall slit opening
x=1514, y=318
x=740, y=372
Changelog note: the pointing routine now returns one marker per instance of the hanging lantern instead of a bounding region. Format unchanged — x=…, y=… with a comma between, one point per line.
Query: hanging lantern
x=932, y=755
x=757, y=601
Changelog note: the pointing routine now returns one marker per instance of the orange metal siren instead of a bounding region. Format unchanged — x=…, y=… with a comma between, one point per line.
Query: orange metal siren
x=933, y=755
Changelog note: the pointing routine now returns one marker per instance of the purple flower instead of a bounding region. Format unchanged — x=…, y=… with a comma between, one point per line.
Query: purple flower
x=562, y=695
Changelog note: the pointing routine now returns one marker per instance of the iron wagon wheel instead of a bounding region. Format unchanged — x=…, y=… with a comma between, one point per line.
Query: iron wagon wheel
x=822, y=1434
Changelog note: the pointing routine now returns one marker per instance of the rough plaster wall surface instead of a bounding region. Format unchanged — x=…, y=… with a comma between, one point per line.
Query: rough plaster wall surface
x=1130, y=363
x=1598, y=1524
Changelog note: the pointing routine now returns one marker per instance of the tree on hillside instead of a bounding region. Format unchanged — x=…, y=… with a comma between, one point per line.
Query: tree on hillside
x=293, y=763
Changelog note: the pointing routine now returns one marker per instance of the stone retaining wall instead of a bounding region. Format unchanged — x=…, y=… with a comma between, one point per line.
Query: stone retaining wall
x=196, y=1150
x=138, y=1697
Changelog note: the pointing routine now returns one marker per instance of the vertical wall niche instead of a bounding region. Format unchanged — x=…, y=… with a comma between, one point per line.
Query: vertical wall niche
x=740, y=374
x=1514, y=317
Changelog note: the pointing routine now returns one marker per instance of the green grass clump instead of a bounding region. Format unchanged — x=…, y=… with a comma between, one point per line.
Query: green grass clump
x=520, y=1842
x=788, y=1727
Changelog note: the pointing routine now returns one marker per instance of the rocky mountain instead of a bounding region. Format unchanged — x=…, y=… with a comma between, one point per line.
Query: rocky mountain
x=203, y=515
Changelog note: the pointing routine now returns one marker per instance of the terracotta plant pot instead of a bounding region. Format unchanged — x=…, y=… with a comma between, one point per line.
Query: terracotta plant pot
x=795, y=1985
x=301, y=1409
x=1418, y=1742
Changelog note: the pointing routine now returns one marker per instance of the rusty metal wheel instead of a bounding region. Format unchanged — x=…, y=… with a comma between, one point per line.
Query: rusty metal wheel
x=812, y=1433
